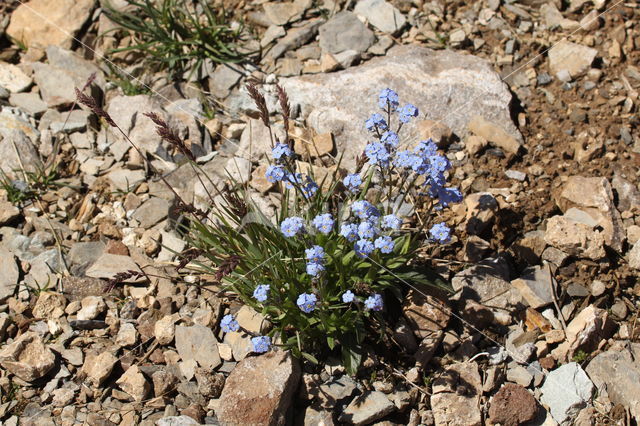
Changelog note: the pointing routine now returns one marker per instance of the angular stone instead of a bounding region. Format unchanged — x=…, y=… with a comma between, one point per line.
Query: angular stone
x=329, y=104
x=108, y=265
x=238, y=169
x=223, y=79
x=97, y=367
x=164, y=329
x=27, y=158
x=10, y=274
x=513, y=405
x=586, y=331
x=151, y=212
x=49, y=305
x=495, y=134
x=295, y=38
x=335, y=390
x=456, y=396
x=344, y=31
x=487, y=283
x=283, y=13
x=13, y=78
x=566, y=391
x=40, y=23
x=594, y=196
x=634, y=256
x=260, y=390
x=574, y=238
x=199, y=344
x=31, y=103
x=27, y=357
x=616, y=374
x=367, y=408
x=425, y=314
x=535, y=287
x=481, y=212
x=127, y=335
x=134, y=383
x=127, y=112
x=381, y=14
x=92, y=307
x=571, y=57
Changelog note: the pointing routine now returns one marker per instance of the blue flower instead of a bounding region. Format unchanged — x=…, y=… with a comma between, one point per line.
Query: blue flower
x=291, y=179
x=229, y=324
x=352, y=182
x=374, y=302
x=426, y=148
x=307, y=302
x=377, y=153
x=261, y=344
x=324, y=223
x=440, y=232
x=349, y=231
x=275, y=173
x=376, y=120
x=363, y=248
x=390, y=138
x=384, y=244
x=348, y=297
x=391, y=221
x=449, y=196
x=406, y=112
x=309, y=188
x=405, y=159
x=314, y=269
x=315, y=254
x=292, y=226
x=364, y=209
x=366, y=230
x=388, y=98
x=439, y=164
x=281, y=150
x=261, y=292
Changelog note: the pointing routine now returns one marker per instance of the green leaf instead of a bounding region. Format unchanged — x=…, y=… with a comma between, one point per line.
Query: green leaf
x=351, y=354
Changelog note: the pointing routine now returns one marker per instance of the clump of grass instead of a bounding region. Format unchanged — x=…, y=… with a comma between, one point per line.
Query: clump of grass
x=32, y=186
x=178, y=35
x=129, y=86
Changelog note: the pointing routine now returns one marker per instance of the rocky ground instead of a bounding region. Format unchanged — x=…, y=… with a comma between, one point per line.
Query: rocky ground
x=534, y=102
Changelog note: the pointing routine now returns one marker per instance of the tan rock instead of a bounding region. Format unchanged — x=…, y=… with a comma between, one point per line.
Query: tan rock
x=92, y=307
x=49, y=305
x=439, y=132
x=575, y=238
x=259, y=181
x=259, y=390
x=27, y=357
x=165, y=328
x=425, y=314
x=13, y=78
x=134, y=383
x=494, y=134
x=127, y=335
x=40, y=23
x=451, y=407
x=481, y=212
x=594, y=196
x=98, y=367
x=572, y=57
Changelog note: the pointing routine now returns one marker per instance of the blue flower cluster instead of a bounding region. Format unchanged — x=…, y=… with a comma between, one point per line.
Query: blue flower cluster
x=229, y=324
x=372, y=223
x=315, y=260
x=261, y=344
x=307, y=302
x=261, y=292
x=279, y=172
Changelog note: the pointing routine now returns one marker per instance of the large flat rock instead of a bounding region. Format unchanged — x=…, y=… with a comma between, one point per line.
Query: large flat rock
x=446, y=86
